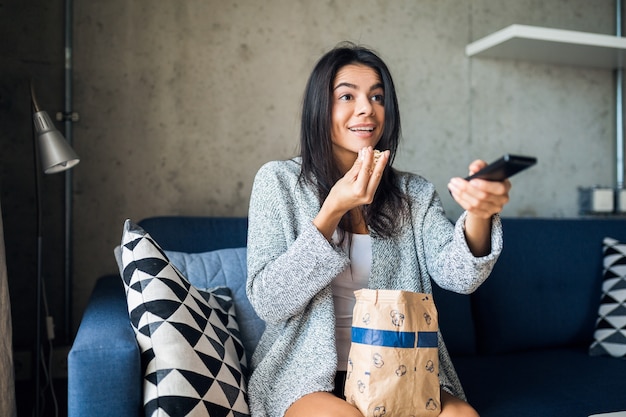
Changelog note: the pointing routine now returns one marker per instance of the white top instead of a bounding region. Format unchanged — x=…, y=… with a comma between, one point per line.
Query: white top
x=353, y=278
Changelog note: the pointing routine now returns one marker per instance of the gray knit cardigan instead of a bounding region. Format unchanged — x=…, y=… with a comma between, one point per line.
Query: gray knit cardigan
x=291, y=266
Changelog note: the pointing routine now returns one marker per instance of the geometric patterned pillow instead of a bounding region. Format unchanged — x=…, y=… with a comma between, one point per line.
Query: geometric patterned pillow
x=610, y=333
x=191, y=351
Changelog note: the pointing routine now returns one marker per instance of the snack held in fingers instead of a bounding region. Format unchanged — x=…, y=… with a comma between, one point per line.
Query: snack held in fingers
x=377, y=155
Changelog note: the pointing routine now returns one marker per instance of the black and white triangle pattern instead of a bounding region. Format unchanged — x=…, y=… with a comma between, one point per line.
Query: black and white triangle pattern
x=610, y=333
x=194, y=361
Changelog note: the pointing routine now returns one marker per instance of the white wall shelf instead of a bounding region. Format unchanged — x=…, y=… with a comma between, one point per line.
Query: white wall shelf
x=556, y=46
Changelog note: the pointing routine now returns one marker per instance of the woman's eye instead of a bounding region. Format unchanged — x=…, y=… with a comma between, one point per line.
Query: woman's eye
x=379, y=98
x=345, y=97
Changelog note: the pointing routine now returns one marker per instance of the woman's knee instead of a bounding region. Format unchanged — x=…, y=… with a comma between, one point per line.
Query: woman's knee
x=452, y=406
x=322, y=404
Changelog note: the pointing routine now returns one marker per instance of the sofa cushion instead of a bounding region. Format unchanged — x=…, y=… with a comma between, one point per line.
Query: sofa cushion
x=225, y=267
x=193, y=358
x=543, y=383
x=610, y=333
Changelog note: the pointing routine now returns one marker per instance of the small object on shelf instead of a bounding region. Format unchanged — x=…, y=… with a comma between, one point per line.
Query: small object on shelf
x=596, y=200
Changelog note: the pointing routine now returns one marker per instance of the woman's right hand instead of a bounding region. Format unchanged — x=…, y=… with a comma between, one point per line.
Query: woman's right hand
x=356, y=188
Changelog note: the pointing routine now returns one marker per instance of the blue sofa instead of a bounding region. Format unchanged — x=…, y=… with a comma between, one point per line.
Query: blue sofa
x=519, y=343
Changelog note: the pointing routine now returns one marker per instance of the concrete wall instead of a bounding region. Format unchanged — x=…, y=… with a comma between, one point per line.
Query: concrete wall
x=182, y=101
x=31, y=50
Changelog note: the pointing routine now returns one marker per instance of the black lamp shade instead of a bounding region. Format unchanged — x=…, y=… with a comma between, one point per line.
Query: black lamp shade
x=55, y=153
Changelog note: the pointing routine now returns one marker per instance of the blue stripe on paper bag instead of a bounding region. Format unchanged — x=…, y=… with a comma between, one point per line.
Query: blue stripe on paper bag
x=390, y=338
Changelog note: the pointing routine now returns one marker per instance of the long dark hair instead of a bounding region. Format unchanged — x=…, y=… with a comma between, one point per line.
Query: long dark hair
x=386, y=212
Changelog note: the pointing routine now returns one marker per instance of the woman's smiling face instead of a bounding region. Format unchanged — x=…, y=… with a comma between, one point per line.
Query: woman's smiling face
x=358, y=112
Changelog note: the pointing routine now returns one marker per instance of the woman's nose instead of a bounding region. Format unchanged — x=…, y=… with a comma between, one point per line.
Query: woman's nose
x=364, y=106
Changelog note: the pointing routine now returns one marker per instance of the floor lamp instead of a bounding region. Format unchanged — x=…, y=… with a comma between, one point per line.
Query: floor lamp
x=53, y=154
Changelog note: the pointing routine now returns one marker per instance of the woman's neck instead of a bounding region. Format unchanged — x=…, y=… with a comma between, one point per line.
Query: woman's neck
x=359, y=226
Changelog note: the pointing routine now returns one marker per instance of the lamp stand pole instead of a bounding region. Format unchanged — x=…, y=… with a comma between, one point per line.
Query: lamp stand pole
x=68, y=121
x=39, y=277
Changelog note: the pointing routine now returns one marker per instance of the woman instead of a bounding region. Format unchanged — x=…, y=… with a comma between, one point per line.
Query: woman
x=334, y=219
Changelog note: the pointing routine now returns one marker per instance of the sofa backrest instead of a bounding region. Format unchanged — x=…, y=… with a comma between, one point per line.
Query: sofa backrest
x=197, y=234
x=456, y=321
x=545, y=289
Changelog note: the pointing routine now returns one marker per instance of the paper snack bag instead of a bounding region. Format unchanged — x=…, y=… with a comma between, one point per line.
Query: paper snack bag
x=393, y=366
